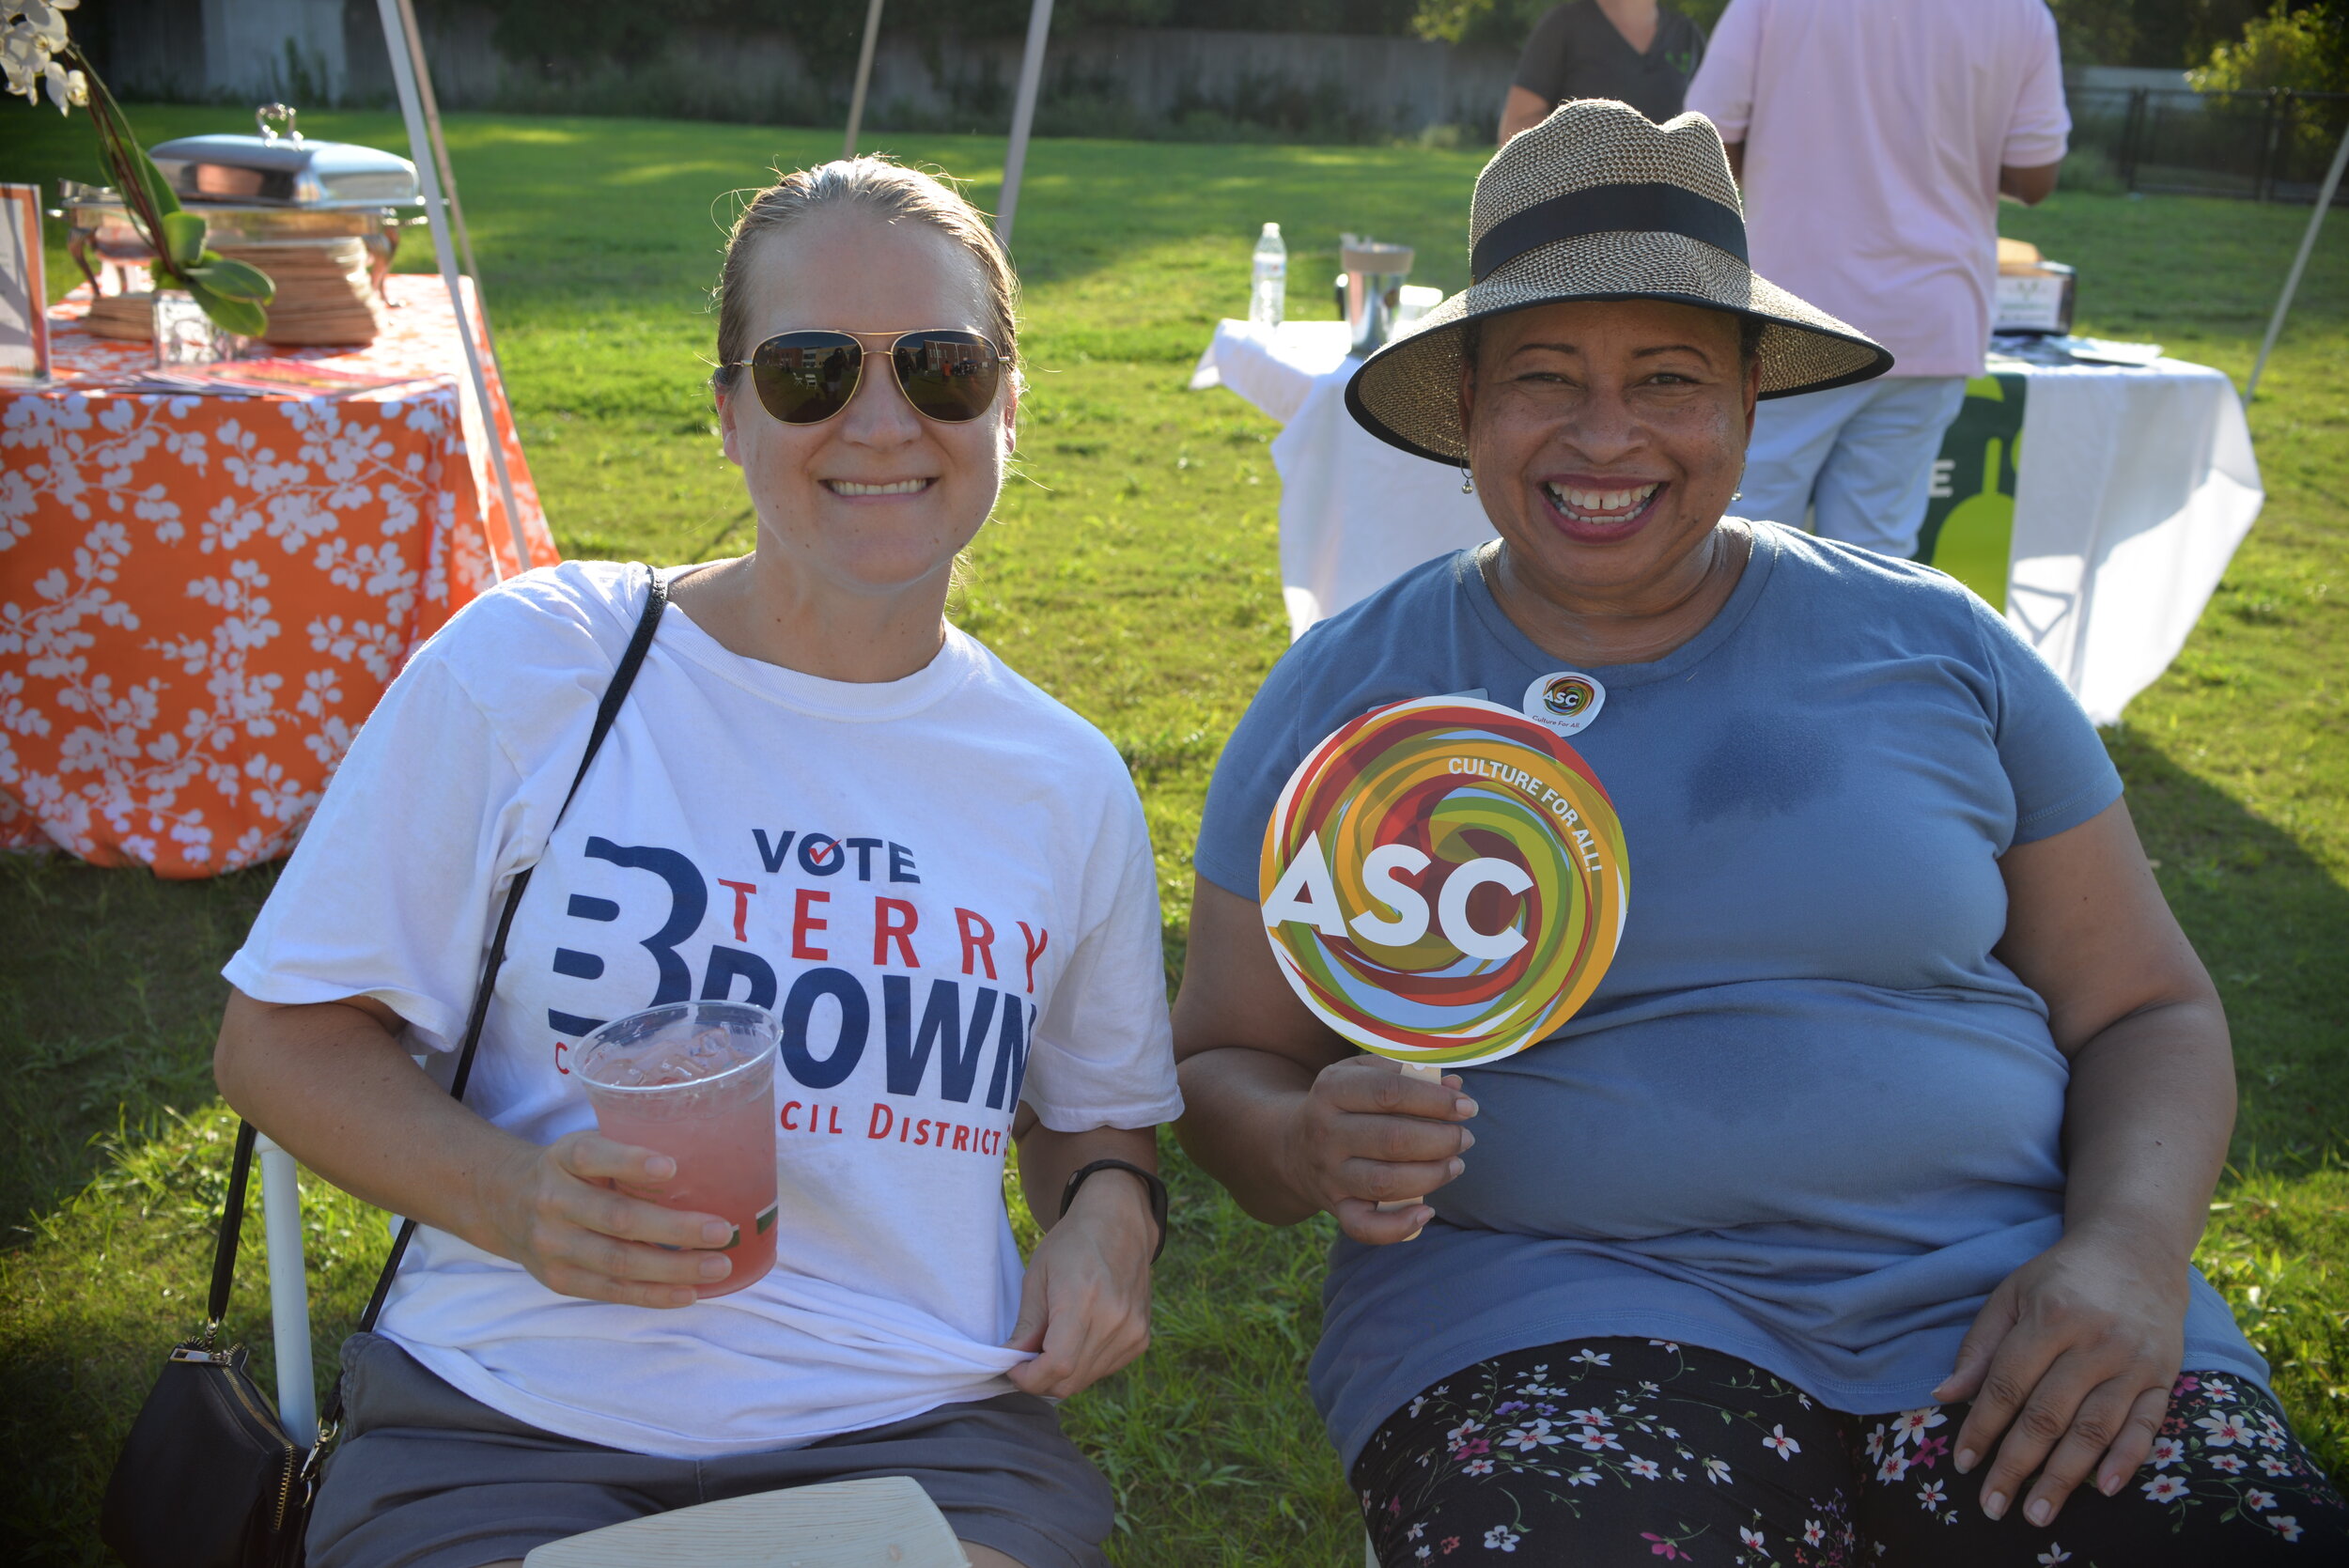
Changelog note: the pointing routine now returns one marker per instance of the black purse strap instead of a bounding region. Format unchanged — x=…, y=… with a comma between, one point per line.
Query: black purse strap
x=232, y=1214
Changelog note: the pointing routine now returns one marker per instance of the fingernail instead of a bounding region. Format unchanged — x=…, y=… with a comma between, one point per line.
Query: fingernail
x=1465, y=1106
x=1993, y=1504
x=715, y=1268
x=1456, y=1167
x=717, y=1233
x=1965, y=1459
x=1940, y=1394
x=2111, y=1483
x=2039, y=1511
x=659, y=1168
x=1423, y=1216
x=1467, y=1140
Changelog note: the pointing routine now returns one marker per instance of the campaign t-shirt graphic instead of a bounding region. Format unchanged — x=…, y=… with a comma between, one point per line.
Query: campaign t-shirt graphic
x=941, y=886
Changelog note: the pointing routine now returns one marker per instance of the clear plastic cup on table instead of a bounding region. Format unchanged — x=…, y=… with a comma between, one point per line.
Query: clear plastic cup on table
x=696, y=1081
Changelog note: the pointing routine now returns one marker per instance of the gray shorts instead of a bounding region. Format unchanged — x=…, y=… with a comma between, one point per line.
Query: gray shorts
x=426, y=1477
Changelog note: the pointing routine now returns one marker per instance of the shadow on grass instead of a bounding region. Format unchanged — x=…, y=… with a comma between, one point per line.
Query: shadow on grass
x=2271, y=923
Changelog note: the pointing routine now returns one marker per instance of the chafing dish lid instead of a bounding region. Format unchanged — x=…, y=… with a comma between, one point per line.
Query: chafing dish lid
x=286, y=170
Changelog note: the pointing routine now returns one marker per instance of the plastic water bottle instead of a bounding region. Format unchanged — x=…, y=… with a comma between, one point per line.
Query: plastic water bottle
x=1268, y=301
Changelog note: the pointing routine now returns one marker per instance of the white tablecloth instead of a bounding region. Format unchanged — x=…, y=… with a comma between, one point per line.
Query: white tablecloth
x=2134, y=488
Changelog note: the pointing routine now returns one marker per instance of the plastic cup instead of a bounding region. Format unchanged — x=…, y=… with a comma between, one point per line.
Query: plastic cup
x=696, y=1081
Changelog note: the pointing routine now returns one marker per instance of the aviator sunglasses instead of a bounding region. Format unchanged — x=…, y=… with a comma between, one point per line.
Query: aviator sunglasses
x=804, y=378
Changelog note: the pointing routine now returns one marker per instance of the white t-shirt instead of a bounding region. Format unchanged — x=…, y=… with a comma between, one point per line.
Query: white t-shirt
x=1874, y=130
x=851, y=855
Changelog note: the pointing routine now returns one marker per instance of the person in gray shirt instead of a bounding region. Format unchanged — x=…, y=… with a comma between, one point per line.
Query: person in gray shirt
x=1637, y=51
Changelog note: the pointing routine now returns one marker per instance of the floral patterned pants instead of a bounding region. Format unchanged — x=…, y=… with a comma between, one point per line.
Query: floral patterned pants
x=1620, y=1452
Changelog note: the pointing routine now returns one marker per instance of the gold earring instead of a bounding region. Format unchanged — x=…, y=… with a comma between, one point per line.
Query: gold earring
x=1467, y=481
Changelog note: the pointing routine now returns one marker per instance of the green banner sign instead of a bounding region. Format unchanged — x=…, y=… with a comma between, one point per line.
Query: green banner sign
x=1970, y=520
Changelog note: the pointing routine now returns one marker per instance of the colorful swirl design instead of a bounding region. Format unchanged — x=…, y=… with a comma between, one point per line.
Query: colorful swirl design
x=1460, y=784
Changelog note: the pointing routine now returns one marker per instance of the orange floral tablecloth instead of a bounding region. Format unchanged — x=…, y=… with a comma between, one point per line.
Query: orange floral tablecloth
x=201, y=598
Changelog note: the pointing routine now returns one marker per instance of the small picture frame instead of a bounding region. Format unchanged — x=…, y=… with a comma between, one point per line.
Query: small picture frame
x=24, y=285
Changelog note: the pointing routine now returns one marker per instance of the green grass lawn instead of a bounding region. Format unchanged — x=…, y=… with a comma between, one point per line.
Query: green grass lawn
x=1131, y=571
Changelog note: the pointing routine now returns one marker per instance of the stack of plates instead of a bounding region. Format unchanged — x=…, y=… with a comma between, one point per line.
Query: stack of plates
x=323, y=293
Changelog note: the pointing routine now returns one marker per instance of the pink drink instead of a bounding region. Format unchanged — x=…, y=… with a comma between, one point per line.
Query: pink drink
x=696, y=1080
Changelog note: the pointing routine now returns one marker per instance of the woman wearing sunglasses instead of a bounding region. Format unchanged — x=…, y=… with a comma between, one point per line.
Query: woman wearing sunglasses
x=819, y=797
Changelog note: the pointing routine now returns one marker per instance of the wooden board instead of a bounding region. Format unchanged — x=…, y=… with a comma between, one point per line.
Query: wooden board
x=884, y=1523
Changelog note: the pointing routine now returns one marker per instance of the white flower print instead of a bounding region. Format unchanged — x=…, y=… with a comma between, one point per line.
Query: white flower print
x=1895, y=1465
x=1585, y=1477
x=2165, y=1489
x=2218, y=1388
x=2257, y=1500
x=1462, y=1432
x=1783, y=1446
x=1593, y=1417
x=2053, y=1555
x=2285, y=1525
x=1646, y=1469
x=2232, y=1464
x=1914, y=1424
x=1813, y=1533
x=1931, y=1496
x=1530, y=1437
x=1717, y=1469
x=2167, y=1452
x=2223, y=1431
x=1875, y=1443
x=1593, y=1438
x=2270, y=1465
x=1418, y=1528
x=1500, y=1538
x=1750, y=1537
x=1477, y=1466
x=1591, y=1358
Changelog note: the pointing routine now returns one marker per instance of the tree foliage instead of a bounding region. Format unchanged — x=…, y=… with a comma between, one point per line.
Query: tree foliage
x=828, y=31
x=2307, y=49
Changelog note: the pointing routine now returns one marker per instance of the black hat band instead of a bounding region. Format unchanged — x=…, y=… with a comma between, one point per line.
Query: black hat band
x=1609, y=210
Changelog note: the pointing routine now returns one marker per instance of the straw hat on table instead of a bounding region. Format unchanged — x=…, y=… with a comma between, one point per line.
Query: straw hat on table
x=1599, y=202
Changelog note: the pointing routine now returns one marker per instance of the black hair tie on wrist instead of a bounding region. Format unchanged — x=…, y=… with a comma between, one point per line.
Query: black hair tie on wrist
x=1149, y=1179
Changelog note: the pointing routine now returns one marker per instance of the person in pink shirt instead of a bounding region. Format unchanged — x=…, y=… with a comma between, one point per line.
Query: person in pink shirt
x=1873, y=140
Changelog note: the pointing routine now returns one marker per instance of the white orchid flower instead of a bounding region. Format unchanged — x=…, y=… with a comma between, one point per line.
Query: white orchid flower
x=48, y=19
x=66, y=87
x=23, y=59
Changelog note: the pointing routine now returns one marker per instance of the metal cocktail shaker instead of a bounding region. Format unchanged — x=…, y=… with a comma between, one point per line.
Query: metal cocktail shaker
x=1373, y=285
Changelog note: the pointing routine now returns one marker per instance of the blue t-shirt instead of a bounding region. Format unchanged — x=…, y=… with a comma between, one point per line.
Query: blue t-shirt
x=1807, y=1119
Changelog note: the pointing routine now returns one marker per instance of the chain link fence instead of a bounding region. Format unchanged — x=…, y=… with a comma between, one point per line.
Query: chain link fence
x=2271, y=146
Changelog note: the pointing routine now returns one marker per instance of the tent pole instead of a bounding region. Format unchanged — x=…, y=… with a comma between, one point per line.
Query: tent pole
x=448, y=175
x=1022, y=116
x=864, y=77
x=2299, y=265
x=405, y=49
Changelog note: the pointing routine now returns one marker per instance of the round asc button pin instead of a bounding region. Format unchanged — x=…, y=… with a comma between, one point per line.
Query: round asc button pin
x=1565, y=702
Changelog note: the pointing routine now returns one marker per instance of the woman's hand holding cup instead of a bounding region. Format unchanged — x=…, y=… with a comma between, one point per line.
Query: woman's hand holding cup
x=1368, y=1133
x=554, y=1210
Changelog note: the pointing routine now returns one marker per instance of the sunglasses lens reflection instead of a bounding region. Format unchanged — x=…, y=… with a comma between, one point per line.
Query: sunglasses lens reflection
x=806, y=377
x=951, y=377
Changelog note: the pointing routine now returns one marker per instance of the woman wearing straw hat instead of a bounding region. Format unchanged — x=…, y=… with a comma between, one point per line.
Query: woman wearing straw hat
x=1851, y=1219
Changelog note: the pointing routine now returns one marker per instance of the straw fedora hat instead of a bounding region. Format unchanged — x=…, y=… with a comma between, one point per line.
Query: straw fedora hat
x=1599, y=202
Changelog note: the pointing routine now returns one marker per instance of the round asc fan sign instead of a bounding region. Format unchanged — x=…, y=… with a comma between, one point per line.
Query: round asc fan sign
x=1444, y=882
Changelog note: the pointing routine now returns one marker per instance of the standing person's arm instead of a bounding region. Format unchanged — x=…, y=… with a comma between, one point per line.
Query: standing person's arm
x=2039, y=132
x=2072, y=1359
x=1723, y=89
x=1541, y=76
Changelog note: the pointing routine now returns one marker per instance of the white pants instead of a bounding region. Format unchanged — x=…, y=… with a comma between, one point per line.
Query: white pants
x=1861, y=456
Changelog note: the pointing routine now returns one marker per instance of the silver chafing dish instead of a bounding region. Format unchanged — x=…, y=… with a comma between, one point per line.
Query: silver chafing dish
x=277, y=188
